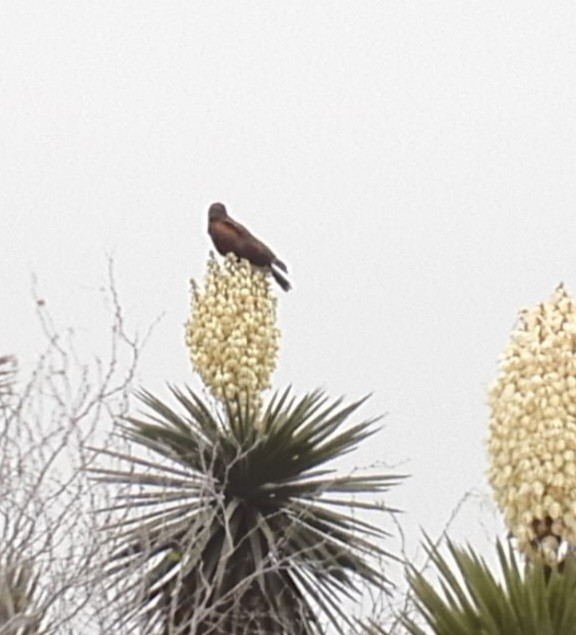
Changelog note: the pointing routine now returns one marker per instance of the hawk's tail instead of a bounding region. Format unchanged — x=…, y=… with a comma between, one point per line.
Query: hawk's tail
x=280, y=279
x=280, y=265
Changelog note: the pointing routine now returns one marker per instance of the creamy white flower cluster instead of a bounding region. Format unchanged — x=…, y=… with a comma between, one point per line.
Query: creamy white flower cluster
x=532, y=442
x=232, y=334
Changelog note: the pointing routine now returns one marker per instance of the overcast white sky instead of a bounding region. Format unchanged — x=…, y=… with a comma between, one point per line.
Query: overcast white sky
x=414, y=164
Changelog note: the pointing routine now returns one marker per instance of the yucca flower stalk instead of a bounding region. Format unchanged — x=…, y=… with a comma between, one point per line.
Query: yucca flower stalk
x=241, y=528
x=232, y=334
x=532, y=441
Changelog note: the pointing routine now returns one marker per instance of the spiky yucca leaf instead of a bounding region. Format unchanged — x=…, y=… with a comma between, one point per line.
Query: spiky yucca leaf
x=21, y=611
x=243, y=528
x=530, y=600
x=18, y=585
x=7, y=376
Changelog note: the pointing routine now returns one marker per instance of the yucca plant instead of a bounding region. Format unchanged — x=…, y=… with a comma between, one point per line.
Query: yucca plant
x=532, y=447
x=470, y=599
x=18, y=587
x=19, y=614
x=241, y=526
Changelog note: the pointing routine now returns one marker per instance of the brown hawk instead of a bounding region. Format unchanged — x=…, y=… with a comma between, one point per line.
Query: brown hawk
x=230, y=236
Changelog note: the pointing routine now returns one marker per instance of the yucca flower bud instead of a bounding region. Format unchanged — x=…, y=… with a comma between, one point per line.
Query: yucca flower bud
x=232, y=334
x=532, y=441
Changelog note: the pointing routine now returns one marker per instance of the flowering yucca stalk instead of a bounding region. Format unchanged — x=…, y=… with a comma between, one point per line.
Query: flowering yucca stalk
x=232, y=334
x=532, y=441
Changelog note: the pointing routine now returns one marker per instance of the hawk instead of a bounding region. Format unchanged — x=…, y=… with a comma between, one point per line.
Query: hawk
x=230, y=236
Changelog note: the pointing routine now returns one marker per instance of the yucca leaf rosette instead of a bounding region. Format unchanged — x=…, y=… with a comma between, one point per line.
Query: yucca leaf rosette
x=463, y=595
x=230, y=527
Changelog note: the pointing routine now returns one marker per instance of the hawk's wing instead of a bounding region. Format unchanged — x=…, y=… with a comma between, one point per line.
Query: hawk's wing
x=230, y=236
x=232, y=227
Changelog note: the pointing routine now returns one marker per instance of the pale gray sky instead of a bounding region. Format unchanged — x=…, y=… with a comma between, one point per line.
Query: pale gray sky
x=412, y=162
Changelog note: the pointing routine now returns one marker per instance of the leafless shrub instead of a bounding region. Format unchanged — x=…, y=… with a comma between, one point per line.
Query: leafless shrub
x=48, y=417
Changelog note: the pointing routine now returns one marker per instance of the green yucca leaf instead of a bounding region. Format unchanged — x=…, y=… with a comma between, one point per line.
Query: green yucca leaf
x=469, y=598
x=240, y=527
x=20, y=609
